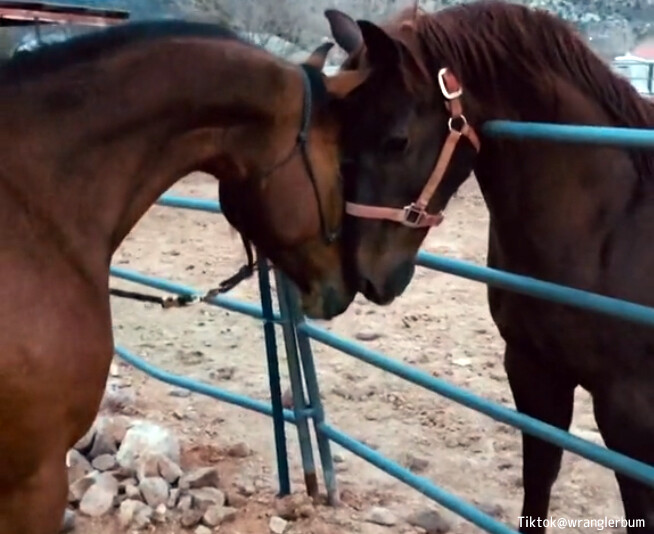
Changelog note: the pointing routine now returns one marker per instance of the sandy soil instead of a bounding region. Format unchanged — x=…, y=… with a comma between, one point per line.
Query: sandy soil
x=441, y=325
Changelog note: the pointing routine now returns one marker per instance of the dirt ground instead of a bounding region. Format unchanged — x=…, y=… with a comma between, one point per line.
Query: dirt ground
x=441, y=325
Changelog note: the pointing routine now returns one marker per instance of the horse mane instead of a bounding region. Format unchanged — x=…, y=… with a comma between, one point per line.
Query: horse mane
x=53, y=57
x=491, y=40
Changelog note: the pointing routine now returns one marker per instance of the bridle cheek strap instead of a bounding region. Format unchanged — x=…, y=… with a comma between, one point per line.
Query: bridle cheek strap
x=415, y=215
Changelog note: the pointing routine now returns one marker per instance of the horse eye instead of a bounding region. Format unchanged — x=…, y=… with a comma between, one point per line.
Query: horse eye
x=395, y=144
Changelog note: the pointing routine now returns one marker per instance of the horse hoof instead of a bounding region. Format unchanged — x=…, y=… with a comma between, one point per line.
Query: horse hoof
x=68, y=522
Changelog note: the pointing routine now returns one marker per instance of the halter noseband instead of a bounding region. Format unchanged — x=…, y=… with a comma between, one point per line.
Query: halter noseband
x=415, y=215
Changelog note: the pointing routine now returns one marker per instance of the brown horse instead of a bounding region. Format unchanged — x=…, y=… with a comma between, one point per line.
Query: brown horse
x=581, y=216
x=95, y=130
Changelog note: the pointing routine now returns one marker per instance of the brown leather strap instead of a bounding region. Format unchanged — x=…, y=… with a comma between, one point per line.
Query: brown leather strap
x=439, y=170
x=392, y=214
x=415, y=215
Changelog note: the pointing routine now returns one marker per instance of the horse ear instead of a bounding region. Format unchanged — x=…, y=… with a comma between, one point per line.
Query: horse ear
x=318, y=57
x=345, y=31
x=382, y=50
x=343, y=83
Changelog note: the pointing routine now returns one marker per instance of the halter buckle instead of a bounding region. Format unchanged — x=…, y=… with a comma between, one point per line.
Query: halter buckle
x=449, y=95
x=413, y=215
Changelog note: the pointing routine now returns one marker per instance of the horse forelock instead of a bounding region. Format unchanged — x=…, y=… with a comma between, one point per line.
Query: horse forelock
x=482, y=41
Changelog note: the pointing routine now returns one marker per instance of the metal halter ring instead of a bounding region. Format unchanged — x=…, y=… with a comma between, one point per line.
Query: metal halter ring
x=450, y=123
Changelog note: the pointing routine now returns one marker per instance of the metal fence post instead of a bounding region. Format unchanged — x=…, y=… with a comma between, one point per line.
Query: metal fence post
x=273, y=376
x=300, y=407
x=311, y=379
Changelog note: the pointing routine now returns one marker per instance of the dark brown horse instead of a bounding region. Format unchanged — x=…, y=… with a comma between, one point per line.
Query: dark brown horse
x=581, y=216
x=94, y=131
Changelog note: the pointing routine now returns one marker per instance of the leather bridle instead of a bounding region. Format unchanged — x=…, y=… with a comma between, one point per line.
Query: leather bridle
x=329, y=235
x=415, y=215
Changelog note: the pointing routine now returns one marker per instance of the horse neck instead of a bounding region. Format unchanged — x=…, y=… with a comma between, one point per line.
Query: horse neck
x=549, y=201
x=150, y=117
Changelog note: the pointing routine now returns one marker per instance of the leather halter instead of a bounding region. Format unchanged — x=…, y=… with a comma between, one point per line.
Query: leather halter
x=415, y=215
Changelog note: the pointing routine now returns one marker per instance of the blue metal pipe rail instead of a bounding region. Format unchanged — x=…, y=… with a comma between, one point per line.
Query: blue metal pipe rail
x=621, y=309
x=298, y=332
x=200, y=387
x=568, y=133
x=601, y=455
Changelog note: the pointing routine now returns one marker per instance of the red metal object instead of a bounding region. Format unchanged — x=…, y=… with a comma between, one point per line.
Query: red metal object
x=13, y=13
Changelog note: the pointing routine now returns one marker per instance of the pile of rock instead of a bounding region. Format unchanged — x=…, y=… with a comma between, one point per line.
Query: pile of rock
x=132, y=468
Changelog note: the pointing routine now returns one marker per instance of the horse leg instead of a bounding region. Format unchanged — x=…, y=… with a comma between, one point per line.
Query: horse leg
x=623, y=415
x=540, y=393
x=36, y=505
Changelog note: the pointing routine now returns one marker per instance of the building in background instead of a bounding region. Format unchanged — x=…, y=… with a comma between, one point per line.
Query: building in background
x=638, y=66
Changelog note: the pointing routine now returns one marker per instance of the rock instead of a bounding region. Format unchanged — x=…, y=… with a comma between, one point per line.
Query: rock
x=205, y=497
x=99, y=498
x=213, y=516
x=415, y=463
x=104, y=462
x=79, y=466
x=109, y=432
x=223, y=373
x=132, y=491
x=78, y=488
x=202, y=530
x=67, y=522
x=246, y=489
x=147, y=466
x=117, y=397
x=492, y=509
x=180, y=393
x=147, y=438
x=200, y=478
x=142, y=518
x=185, y=503
x=86, y=441
x=239, y=450
x=277, y=525
x=169, y=470
x=367, y=336
x=121, y=473
x=306, y=510
x=159, y=514
x=293, y=506
x=128, y=510
x=381, y=516
x=102, y=444
x=113, y=427
x=190, y=518
x=235, y=499
x=127, y=482
x=217, y=515
x=173, y=497
x=430, y=520
x=154, y=491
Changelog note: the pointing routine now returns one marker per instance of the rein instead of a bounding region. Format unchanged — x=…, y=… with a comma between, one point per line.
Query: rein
x=247, y=270
x=415, y=215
